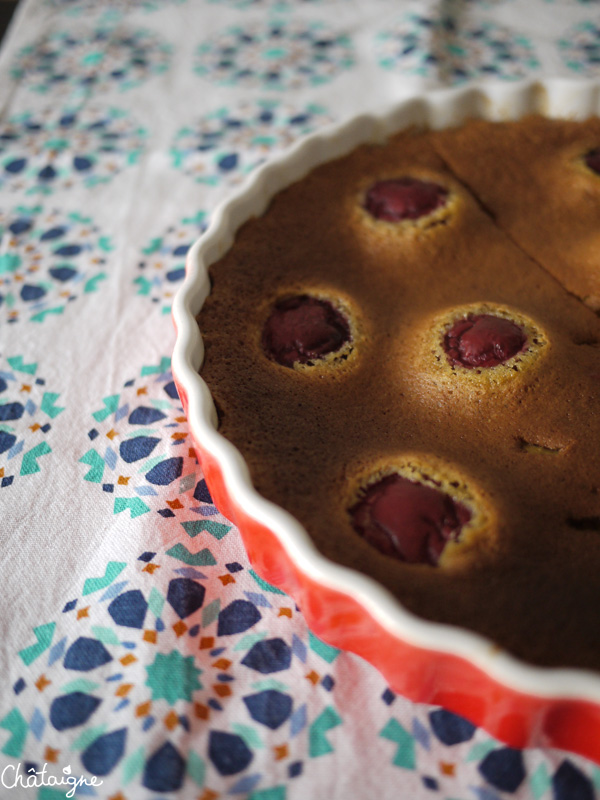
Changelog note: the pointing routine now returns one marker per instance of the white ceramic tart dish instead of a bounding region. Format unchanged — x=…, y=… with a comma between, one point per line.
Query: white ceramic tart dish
x=444, y=664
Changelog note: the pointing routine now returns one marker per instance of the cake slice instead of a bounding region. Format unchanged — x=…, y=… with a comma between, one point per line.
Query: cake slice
x=540, y=179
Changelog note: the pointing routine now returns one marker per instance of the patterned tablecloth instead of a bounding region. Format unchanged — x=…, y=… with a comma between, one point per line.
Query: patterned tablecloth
x=141, y=656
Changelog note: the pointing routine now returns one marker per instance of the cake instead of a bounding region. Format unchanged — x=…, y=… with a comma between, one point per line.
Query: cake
x=409, y=368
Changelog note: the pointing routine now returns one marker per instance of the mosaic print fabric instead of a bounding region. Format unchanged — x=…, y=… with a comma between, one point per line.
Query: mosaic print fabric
x=141, y=656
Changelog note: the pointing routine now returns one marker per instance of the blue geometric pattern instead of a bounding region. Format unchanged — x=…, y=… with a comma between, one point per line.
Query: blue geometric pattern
x=280, y=55
x=450, y=728
x=140, y=446
x=49, y=260
x=275, y=5
x=579, y=48
x=162, y=266
x=224, y=146
x=79, y=7
x=503, y=769
x=27, y=414
x=431, y=44
x=132, y=622
x=87, y=61
x=57, y=148
x=142, y=631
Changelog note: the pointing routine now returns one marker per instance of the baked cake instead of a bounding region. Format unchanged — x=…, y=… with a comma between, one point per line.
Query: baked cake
x=405, y=351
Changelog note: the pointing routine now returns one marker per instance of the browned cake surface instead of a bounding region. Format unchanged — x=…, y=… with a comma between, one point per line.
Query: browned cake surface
x=527, y=444
x=531, y=176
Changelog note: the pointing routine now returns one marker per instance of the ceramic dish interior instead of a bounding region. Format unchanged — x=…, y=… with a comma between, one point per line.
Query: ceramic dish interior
x=427, y=662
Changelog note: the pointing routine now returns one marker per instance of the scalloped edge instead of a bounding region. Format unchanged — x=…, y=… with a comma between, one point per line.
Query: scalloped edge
x=435, y=109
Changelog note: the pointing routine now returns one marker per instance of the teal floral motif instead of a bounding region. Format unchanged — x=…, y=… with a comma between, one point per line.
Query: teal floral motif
x=580, y=48
x=482, y=3
x=120, y=673
x=91, y=61
x=436, y=45
x=139, y=451
x=112, y=687
x=275, y=5
x=162, y=267
x=227, y=144
x=50, y=259
x=27, y=414
x=173, y=677
x=275, y=55
x=77, y=7
x=58, y=148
